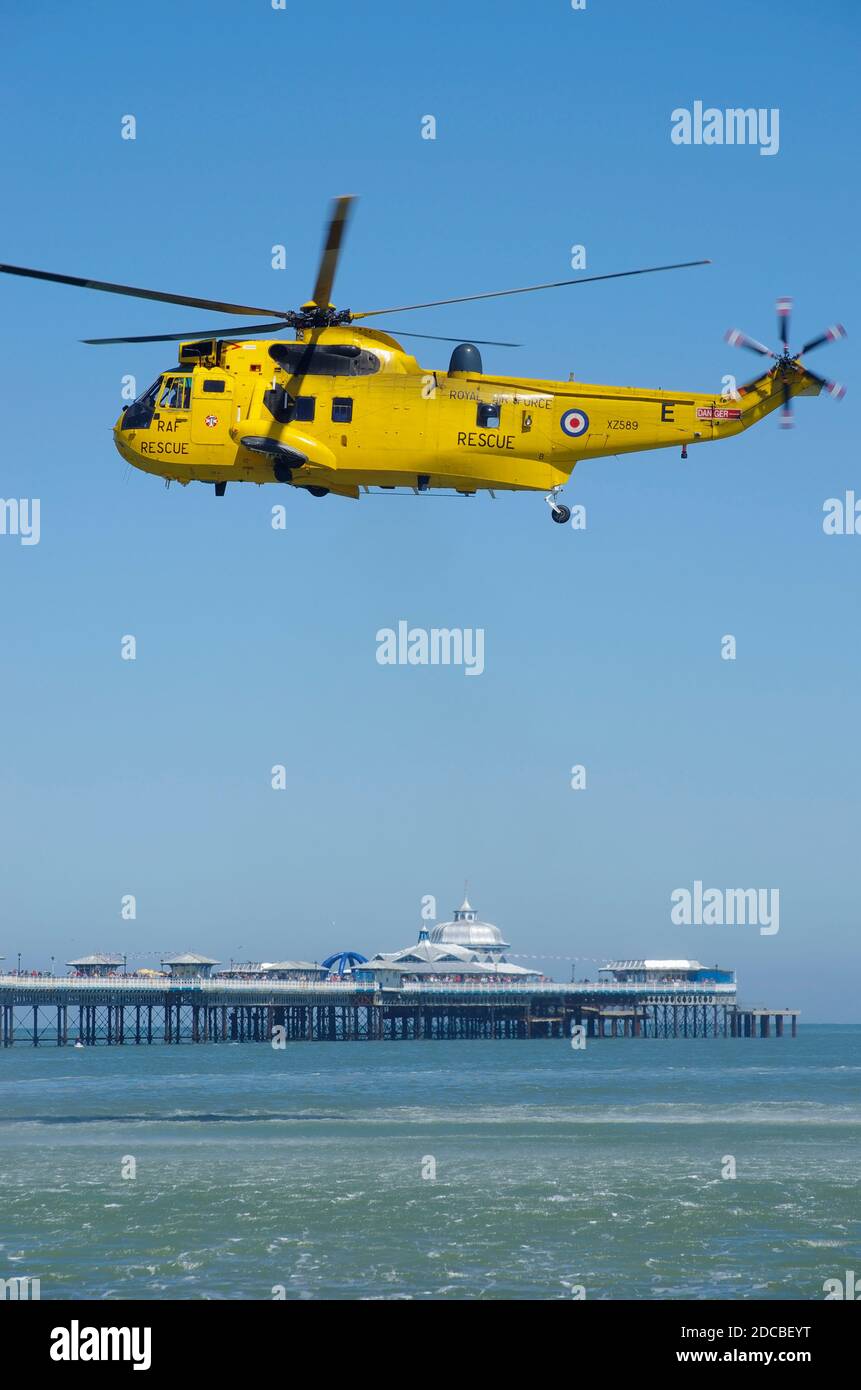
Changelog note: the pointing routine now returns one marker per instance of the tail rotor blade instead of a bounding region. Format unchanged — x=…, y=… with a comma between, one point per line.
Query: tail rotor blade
x=736, y=338
x=833, y=388
x=786, y=420
x=831, y=335
x=784, y=309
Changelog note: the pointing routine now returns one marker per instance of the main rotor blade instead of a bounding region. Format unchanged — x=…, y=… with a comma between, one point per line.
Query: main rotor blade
x=831, y=335
x=219, y=305
x=331, y=251
x=784, y=309
x=233, y=331
x=526, y=289
x=434, y=337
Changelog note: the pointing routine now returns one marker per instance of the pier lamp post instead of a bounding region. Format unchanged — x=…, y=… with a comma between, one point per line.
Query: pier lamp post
x=52, y=967
x=19, y=962
x=125, y=958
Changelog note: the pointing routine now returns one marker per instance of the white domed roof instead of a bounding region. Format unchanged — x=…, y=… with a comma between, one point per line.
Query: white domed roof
x=467, y=930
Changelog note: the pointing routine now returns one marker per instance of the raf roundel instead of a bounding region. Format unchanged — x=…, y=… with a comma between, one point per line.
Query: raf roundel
x=574, y=423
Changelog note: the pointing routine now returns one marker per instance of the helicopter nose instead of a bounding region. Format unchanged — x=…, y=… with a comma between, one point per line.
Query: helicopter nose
x=123, y=440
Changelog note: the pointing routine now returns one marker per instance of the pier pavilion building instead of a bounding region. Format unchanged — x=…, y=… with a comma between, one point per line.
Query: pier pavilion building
x=190, y=966
x=273, y=970
x=637, y=972
x=464, y=949
x=102, y=963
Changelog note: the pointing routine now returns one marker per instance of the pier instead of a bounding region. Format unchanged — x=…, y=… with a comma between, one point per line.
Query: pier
x=123, y=1011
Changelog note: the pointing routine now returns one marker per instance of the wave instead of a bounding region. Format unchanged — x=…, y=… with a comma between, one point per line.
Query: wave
x=202, y=1117
x=655, y=1113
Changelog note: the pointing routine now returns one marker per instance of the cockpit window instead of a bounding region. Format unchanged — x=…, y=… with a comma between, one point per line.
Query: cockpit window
x=149, y=395
x=176, y=393
x=138, y=416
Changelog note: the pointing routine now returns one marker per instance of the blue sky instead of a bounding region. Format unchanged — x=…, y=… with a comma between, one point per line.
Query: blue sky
x=257, y=647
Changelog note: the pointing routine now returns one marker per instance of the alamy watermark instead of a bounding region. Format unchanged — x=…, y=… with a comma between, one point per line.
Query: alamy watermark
x=435, y=646
x=20, y=1288
x=734, y=126
x=718, y=907
x=77, y=1343
x=842, y=515
x=848, y=1288
x=21, y=517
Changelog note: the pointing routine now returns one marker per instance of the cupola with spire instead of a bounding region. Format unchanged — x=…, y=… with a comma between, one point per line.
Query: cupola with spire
x=466, y=929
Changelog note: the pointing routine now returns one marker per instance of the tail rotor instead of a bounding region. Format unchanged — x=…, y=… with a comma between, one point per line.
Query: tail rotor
x=787, y=363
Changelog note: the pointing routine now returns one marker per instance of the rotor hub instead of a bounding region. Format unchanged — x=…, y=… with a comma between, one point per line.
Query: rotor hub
x=312, y=316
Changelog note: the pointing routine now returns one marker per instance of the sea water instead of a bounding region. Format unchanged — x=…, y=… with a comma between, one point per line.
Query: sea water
x=634, y=1168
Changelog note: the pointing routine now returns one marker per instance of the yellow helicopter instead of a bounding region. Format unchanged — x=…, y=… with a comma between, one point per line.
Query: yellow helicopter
x=345, y=410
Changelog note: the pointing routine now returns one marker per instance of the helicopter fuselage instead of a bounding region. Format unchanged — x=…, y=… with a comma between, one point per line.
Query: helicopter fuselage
x=343, y=410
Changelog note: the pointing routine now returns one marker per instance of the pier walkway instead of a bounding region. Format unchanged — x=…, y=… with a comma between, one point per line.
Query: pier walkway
x=112, y=1011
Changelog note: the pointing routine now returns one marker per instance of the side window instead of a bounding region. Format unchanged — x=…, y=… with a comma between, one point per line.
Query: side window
x=488, y=417
x=342, y=410
x=286, y=408
x=212, y=383
x=176, y=393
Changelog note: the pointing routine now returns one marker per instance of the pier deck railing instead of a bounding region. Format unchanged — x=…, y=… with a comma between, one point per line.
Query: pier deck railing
x=48, y=984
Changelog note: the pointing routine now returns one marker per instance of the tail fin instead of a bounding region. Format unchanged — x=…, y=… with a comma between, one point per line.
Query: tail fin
x=774, y=390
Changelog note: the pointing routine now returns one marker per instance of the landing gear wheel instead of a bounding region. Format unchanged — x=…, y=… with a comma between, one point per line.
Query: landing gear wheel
x=558, y=511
